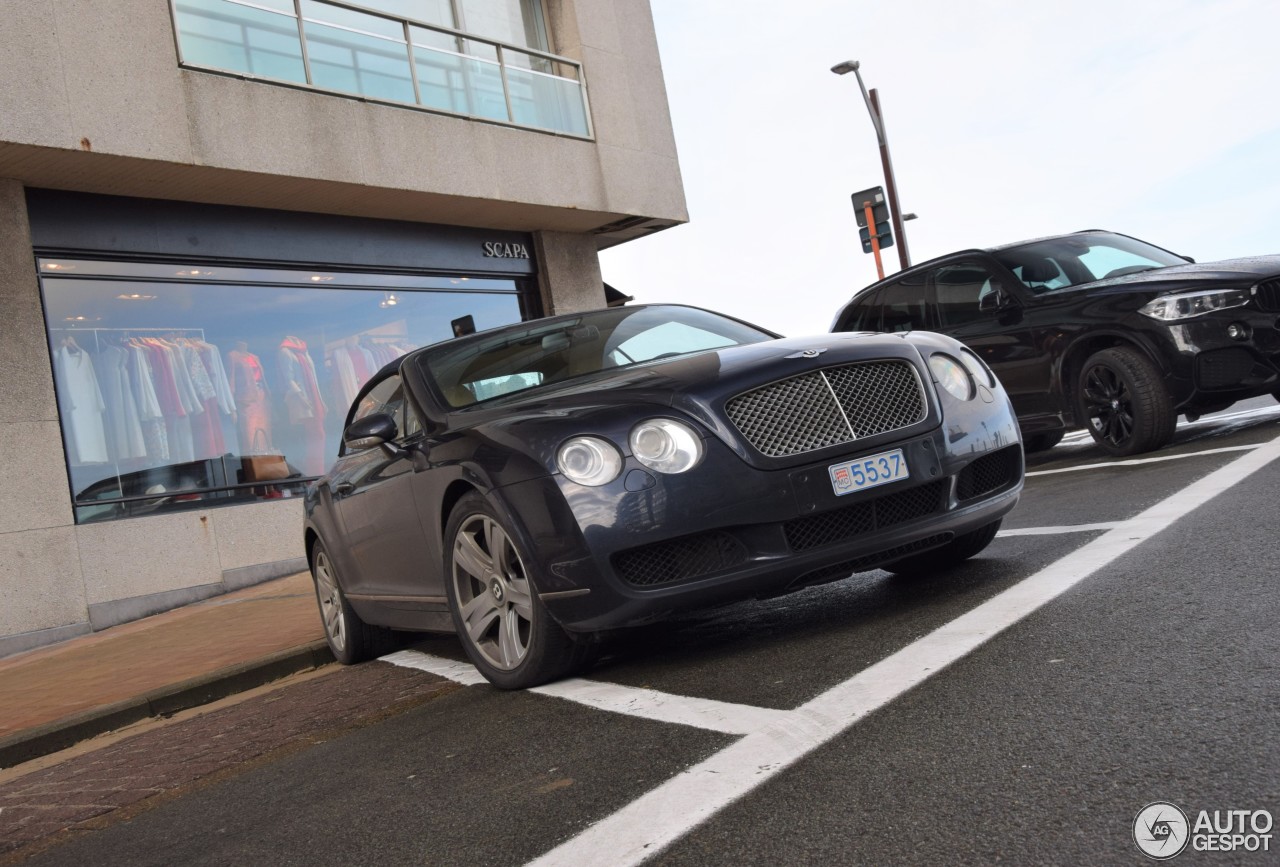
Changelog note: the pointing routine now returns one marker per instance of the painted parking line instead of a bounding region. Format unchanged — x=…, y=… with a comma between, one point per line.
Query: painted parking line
x=702, y=713
x=1135, y=462
x=459, y=672
x=653, y=822
x=1232, y=420
x=1056, y=531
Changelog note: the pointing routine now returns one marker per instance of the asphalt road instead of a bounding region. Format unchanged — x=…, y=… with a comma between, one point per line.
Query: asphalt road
x=857, y=723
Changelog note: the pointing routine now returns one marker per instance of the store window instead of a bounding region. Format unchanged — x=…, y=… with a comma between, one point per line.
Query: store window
x=186, y=386
x=407, y=51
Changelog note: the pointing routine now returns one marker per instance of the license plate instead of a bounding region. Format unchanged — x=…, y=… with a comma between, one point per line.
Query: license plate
x=869, y=472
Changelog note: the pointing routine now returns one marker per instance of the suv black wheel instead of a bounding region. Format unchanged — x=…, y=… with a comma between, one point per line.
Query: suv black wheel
x=1123, y=403
x=1041, y=442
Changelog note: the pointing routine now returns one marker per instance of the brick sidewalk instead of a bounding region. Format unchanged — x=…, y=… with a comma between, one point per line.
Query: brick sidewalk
x=120, y=674
x=87, y=792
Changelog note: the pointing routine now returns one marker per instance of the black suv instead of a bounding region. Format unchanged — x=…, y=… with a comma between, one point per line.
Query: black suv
x=1096, y=330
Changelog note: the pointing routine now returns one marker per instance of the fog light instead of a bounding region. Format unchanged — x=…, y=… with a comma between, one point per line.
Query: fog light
x=1238, y=331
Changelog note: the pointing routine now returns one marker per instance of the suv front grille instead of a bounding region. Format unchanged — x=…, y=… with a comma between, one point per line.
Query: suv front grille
x=1267, y=294
x=828, y=407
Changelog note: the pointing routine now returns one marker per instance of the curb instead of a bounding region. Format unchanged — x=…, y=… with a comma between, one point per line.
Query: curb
x=58, y=735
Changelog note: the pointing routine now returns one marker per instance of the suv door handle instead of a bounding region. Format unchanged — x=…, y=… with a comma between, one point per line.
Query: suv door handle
x=343, y=488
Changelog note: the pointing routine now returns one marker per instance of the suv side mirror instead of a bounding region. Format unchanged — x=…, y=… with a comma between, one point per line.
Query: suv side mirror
x=993, y=300
x=375, y=429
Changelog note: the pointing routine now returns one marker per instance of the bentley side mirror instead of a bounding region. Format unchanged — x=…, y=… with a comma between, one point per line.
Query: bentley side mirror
x=375, y=429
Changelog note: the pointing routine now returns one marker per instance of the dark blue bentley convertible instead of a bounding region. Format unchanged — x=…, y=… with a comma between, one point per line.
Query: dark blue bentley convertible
x=534, y=486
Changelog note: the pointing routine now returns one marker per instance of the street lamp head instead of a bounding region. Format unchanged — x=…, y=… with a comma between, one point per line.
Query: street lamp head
x=845, y=68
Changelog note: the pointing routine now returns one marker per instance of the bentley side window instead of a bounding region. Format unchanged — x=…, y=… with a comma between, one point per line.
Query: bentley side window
x=387, y=397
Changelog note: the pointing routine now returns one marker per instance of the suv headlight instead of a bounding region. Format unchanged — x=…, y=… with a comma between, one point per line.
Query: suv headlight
x=1184, y=305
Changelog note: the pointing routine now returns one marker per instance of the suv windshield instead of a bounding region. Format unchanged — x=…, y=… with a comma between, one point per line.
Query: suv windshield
x=517, y=358
x=1074, y=259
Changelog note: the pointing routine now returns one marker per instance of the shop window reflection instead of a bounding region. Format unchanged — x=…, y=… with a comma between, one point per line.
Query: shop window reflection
x=186, y=395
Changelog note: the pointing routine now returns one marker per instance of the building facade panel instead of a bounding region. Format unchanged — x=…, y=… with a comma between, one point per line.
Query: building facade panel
x=160, y=218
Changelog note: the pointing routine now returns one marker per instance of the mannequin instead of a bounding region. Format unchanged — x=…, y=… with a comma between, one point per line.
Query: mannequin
x=304, y=405
x=249, y=389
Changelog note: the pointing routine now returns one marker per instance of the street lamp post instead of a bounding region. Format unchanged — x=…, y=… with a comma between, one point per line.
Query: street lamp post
x=872, y=100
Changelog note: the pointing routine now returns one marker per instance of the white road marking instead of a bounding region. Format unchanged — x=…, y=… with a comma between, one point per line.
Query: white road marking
x=1133, y=462
x=1054, y=531
x=459, y=672
x=657, y=819
x=716, y=716
x=1077, y=436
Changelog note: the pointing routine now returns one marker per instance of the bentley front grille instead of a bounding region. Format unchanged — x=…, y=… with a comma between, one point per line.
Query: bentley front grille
x=685, y=559
x=828, y=407
x=826, y=528
x=989, y=474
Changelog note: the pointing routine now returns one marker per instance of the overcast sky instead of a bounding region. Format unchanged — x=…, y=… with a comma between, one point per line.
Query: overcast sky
x=1007, y=119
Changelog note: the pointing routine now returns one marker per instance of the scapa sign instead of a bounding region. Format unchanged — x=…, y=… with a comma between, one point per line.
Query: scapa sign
x=499, y=250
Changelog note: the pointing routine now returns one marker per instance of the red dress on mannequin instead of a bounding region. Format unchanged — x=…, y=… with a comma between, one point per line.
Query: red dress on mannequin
x=253, y=415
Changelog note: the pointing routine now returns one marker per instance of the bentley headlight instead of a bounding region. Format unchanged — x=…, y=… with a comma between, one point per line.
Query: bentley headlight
x=952, y=376
x=589, y=461
x=665, y=445
x=977, y=368
x=1184, y=305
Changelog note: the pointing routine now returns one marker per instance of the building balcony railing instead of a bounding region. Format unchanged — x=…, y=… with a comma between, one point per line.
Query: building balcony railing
x=348, y=49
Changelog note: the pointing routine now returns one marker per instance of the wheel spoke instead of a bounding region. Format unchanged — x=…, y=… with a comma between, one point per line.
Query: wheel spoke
x=500, y=548
x=468, y=555
x=481, y=619
x=520, y=598
x=509, y=639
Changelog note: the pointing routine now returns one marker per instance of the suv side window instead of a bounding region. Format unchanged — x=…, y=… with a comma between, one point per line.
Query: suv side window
x=904, y=305
x=959, y=290
x=865, y=316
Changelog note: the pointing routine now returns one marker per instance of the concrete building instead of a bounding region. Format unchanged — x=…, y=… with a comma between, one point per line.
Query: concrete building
x=218, y=216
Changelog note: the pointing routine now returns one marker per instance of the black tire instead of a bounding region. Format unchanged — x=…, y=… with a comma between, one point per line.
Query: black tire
x=1042, y=442
x=953, y=553
x=503, y=625
x=1123, y=403
x=350, y=638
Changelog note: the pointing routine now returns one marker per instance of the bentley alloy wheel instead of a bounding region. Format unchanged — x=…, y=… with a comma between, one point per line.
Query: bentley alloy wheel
x=505, y=629
x=495, y=601
x=330, y=599
x=350, y=638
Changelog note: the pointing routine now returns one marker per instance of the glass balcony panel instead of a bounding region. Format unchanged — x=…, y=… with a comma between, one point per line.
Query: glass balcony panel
x=358, y=62
x=372, y=24
x=546, y=101
x=431, y=11
x=224, y=35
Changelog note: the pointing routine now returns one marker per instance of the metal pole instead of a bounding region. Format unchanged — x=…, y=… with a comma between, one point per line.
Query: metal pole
x=875, y=238
x=890, y=185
